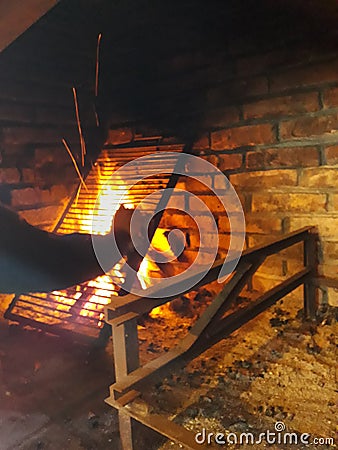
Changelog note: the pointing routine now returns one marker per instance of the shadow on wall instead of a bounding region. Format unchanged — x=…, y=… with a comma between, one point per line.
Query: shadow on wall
x=161, y=60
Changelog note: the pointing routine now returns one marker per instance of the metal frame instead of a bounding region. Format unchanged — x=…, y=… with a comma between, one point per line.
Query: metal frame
x=122, y=314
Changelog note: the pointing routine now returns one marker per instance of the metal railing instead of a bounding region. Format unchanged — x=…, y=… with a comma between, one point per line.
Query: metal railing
x=122, y=314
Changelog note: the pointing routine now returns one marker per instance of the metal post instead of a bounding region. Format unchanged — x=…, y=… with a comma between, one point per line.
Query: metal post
x=126, y=360
x=310, y=291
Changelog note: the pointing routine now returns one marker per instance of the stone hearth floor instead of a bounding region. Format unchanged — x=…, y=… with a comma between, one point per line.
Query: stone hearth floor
x=276, y=368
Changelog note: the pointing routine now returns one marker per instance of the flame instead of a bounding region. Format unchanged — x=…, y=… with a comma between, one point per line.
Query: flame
x=98, y=220
x=148, y=268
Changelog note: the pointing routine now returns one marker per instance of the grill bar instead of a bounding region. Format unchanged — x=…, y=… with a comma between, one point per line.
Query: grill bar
x=80, y=309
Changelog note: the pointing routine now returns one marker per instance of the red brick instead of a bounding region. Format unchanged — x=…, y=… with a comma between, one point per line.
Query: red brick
x=119, y=136
x=228, y=162
x=256, y=159
x=177, y=201
x=288, y=202
x=294, y=265
x=47, y=155
x=173, y=219
x=260, y=239
x=283, y=157
x=309, y=126
x=198, y=165
x=273, y=265
x=263, y=283
x=330, y=97
x=263, y=179
x=224, y=241
x=222, y=117
x=236, y=221
x=327, y=224
x=200, y=183
x=305, y=76
x=334, y=202
x=294, y=252
x=330, y=252
x=332, y=296
x=46, y=217
x=9, y=176
x=212, y=159
x=282, y=106
x=331, y=155
x=30, y=135
x=328, y=270
x=30, y=196
x=59, y=192
x=221, y=182
x=255, y=223
x=241, y=136
x=320, y=177
x=202, y=143
x=211, y=202
x=28, y=175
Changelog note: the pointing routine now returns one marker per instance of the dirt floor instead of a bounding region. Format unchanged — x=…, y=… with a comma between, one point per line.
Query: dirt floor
x=275, y=369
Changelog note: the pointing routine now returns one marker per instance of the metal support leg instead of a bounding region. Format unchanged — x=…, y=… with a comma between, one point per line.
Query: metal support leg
x=310, y=290
x=126, y=360
x=126, y=431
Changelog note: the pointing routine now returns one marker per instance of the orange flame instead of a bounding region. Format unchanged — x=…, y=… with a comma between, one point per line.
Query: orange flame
x=98, y=220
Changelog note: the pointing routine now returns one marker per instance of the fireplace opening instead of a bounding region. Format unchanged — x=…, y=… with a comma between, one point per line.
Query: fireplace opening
x=251, y=90
x=79, y=309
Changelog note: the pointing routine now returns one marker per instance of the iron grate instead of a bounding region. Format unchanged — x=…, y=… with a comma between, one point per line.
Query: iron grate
x=79, y=309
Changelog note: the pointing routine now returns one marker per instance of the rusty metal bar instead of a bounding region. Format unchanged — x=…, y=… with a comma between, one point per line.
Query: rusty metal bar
x=144, y=304
x=231, y=322
x=222, y=329
x=325, y=282
x=126, y=354
x=132, y=269
x=310, y=291
x=160, y=424
x=209, y=329
x=234, y=321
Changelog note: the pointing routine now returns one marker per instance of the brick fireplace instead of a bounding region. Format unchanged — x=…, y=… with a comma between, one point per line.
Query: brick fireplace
x=250, y=87
x=258, y=98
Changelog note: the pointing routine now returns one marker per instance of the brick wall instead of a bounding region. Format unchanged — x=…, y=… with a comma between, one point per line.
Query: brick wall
x=279, y=146
x=263, y=100
x=262, y=95
x=37, y=73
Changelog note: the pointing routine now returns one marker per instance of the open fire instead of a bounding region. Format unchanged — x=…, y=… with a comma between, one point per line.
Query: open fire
x=80, y=308
x=99, y=221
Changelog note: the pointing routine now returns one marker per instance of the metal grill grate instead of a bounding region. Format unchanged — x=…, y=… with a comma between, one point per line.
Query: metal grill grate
x=79, y=309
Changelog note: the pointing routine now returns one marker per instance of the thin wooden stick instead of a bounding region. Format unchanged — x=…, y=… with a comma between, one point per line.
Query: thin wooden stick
x=75, y=164
x=77, y=194
x=97, y=69
x=99, y=171
x=96, y=117
x=82, y=141
x=97, y=66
